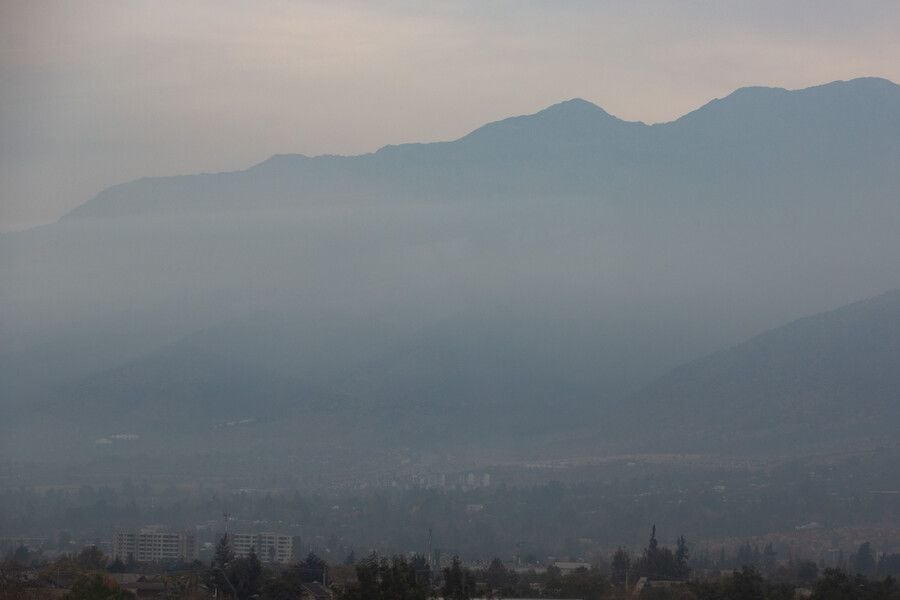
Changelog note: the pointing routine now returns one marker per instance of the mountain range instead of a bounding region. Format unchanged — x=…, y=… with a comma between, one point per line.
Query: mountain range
x=538, y=279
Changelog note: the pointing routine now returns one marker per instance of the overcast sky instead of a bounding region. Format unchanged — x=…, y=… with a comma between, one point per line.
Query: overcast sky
x=94, y=93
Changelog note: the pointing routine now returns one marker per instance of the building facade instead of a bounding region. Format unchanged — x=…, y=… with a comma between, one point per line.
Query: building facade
x=154, y=544
x=269, y=547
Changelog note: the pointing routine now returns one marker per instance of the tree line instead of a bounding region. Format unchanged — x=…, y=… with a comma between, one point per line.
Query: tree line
x=657, y=573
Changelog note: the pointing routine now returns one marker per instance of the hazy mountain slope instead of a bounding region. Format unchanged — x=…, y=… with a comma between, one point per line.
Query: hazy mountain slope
x=455, y=381
x=183, y=388
x=566, y=254
x=826, y=378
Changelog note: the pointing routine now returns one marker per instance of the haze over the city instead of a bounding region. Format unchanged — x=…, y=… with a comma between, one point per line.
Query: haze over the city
x=456, y=300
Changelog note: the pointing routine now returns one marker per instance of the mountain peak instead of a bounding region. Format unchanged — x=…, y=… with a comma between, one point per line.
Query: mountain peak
x=574, y=120
x=574, y=106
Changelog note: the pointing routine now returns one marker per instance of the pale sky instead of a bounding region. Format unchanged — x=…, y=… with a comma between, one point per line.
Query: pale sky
x=94, y=93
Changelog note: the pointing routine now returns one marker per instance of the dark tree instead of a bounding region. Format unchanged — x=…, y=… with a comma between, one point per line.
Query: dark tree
x=224, y=554
x=219, y=575
x=553, y=579
x=657, y=562
x=682, y=555
x=246, y=575
x=620, y=565
x=745, y=556
x=20, y=555
x=13, y=580
x=807, y=571
x=459, y=583
x=116, y=566
x=588, y=584
x=96, y=587
x=398, y=579
x=889, y=565
x=91, y=559
x=769, y=557
x=497, y=576
x=746, y=584
x=834, y=585
x=311, y=569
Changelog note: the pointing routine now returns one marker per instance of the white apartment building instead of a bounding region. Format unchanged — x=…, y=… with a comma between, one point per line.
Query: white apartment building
x=269, y=547
x=154, y=544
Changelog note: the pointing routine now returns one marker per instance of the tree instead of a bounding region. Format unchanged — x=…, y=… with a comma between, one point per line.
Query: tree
x=218, y=577
x=91, y=559
x=553, y=579
x=246, y=575
x=367, y=580
x=588, y=584
x=116, y=566
x=96, y=587
x=657, y=562
x=12, y=580
x=746, y=584
x=287, y=586
x=769, y=557
x=834, y=585
x=422, y=570
x=889, y=565
x=311, y=569
x=497, y=576
x=807, y=571
x=682, y=555
x=21, y=555
x=620, y=565
x=398, y=579
x=459, y=584
x=224, y=554
x=745, y=556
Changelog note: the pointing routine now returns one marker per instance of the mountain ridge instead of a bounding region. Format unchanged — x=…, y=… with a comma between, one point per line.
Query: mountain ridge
x=569, y=128
x=529, y=272
x=835, y=369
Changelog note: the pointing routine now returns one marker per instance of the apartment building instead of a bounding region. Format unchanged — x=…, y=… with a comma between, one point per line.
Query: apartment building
x=269, y=547
x=154, y=544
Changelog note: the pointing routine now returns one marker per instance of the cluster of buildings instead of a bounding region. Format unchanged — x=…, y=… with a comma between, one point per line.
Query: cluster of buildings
x=158, y=544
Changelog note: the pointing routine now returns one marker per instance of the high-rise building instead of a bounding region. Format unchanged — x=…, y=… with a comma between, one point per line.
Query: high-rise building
x=269, y=547
x=154, y=544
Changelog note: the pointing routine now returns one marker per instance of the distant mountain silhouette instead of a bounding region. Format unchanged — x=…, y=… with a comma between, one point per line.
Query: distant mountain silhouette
x=521, y=280
x=573, y=148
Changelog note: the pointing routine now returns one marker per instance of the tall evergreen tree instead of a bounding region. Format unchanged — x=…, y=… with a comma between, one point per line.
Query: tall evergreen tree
x=620, y=565
x=682, y=555
x=459, y=584
x=223, y=554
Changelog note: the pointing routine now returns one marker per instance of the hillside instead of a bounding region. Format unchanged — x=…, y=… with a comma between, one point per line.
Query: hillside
x=829, y=378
